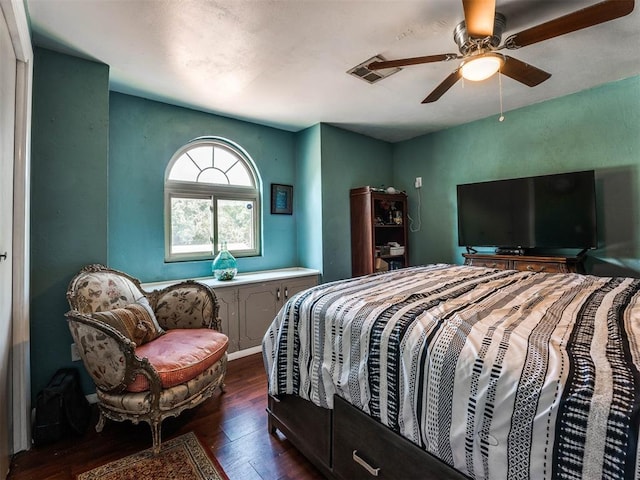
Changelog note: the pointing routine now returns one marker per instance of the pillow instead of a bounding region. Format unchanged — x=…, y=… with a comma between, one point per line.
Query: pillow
x=135, y=321
x=145, y=303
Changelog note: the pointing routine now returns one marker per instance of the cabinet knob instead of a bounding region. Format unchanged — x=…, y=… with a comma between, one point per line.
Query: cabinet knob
x=278, y=293
x=286, y=292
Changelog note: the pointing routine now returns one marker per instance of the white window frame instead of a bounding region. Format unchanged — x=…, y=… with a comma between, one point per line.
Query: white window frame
x=214, y=193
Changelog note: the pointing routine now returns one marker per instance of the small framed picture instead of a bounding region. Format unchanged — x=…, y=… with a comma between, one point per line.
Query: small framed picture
x=281, y=199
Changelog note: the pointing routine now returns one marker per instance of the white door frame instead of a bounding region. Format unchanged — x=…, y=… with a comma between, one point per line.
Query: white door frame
x=16, y=18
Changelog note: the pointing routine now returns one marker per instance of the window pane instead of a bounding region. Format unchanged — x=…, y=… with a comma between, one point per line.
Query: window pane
x=203, y=156
x=213, y=175
x=235, y=223
x=191, y=225
x=238, y=175
x=184, y=169
x=223, y=158
x=211, y=191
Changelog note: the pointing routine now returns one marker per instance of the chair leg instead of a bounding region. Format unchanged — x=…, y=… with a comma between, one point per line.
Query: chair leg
x=155, y=435
x=101, y=422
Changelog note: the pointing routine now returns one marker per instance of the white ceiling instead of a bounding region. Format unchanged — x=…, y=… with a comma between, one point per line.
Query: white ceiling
x=283, y=62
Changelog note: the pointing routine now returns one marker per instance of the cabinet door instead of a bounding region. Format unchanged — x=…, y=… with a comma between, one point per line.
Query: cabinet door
x=295, y=285
x=228, y=301
x=259, y=304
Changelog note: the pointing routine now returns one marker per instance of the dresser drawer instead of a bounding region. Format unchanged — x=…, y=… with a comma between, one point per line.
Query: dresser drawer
x=545, y=267
x=488, y=262
x=365, y=449
x=527, y=263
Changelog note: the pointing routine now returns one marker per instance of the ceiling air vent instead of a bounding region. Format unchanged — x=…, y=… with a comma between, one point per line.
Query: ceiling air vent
x=370, y=76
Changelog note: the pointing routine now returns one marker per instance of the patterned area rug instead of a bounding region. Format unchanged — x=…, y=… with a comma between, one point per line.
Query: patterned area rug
x=182, y=458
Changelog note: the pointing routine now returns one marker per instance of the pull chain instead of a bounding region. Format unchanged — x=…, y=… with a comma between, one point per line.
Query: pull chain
x=501, y=118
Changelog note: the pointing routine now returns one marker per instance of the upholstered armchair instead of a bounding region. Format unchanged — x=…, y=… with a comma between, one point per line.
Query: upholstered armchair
x=152, y=354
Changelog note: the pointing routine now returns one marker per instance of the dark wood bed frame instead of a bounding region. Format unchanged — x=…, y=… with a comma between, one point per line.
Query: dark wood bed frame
x=345, y=443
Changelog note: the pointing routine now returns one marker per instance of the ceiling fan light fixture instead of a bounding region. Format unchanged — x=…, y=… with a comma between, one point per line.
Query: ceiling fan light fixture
x=481, y=67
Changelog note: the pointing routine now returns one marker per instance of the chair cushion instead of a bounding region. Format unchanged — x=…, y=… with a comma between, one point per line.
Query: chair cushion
x=180, y=355
x=135, y=321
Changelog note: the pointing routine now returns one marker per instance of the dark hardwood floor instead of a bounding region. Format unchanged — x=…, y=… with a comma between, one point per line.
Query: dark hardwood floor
x=233, y=425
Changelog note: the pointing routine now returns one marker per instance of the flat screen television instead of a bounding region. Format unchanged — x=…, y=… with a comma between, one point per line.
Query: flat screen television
x=544, y=212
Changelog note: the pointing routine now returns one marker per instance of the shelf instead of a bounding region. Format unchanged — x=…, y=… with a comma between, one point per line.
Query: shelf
x=371, y=229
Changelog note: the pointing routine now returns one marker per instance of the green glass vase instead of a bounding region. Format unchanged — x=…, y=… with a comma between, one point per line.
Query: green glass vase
x=224, y=266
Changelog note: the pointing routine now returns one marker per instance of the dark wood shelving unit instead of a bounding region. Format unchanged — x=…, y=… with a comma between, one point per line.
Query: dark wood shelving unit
x=377, y=218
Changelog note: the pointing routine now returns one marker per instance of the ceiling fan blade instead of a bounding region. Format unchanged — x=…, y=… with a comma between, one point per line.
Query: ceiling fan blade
x=444, y=86
x=403, y=62
x=523, y=72
x=587, y=17
x=479, y=16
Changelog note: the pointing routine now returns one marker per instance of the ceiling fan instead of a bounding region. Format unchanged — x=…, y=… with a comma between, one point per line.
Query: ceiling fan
x=478, y=37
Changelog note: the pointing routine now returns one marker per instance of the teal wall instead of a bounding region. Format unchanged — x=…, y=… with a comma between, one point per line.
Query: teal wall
x=594, y=129
x=349, y=160
x=308, y=197
x=97, y=178
x=332, y=161
x=98, y=165
x=143, y=137
x=69, y=139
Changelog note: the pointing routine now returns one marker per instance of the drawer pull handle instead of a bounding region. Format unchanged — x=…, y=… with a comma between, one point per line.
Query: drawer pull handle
x=278, y=294
x=360, y=461
x=531, y=268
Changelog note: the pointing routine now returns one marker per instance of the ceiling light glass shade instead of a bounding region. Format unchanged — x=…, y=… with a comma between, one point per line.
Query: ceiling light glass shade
x=481, y=68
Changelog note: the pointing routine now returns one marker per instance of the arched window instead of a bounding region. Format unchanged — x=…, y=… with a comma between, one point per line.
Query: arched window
x=212, y=196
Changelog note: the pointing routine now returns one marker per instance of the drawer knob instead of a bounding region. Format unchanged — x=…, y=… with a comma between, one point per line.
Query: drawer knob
x=363, y=463
x=531, y=268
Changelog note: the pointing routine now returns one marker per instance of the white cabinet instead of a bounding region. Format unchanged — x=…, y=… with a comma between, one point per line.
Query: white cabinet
x=259, y=304
x=228, y=302
x=250, y=302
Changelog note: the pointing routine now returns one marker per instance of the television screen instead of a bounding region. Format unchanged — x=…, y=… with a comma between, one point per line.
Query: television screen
x=549, y=211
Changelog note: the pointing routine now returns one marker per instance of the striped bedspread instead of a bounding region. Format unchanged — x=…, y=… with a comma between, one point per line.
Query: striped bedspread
x=501, y=374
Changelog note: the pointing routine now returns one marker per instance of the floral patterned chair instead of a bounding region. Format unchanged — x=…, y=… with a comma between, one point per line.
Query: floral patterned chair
x=151, y=354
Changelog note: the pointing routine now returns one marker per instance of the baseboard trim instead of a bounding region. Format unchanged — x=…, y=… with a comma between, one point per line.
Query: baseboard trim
x=244, y=353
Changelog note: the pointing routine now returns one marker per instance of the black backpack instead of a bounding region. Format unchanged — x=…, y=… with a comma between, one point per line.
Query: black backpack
x=61, y=408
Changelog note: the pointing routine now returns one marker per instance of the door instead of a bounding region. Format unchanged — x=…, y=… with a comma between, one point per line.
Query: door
x=7, y=116
x=228, y=302
x=259, y=304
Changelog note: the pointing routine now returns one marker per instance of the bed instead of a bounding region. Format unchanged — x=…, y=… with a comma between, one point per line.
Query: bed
x=446, y=371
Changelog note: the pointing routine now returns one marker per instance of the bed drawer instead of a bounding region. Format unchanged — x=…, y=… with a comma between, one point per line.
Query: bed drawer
x=365, y=449
x=305, y=425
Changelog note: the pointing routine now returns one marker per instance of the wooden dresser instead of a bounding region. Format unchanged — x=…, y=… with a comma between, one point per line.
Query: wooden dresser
x=528, y=263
